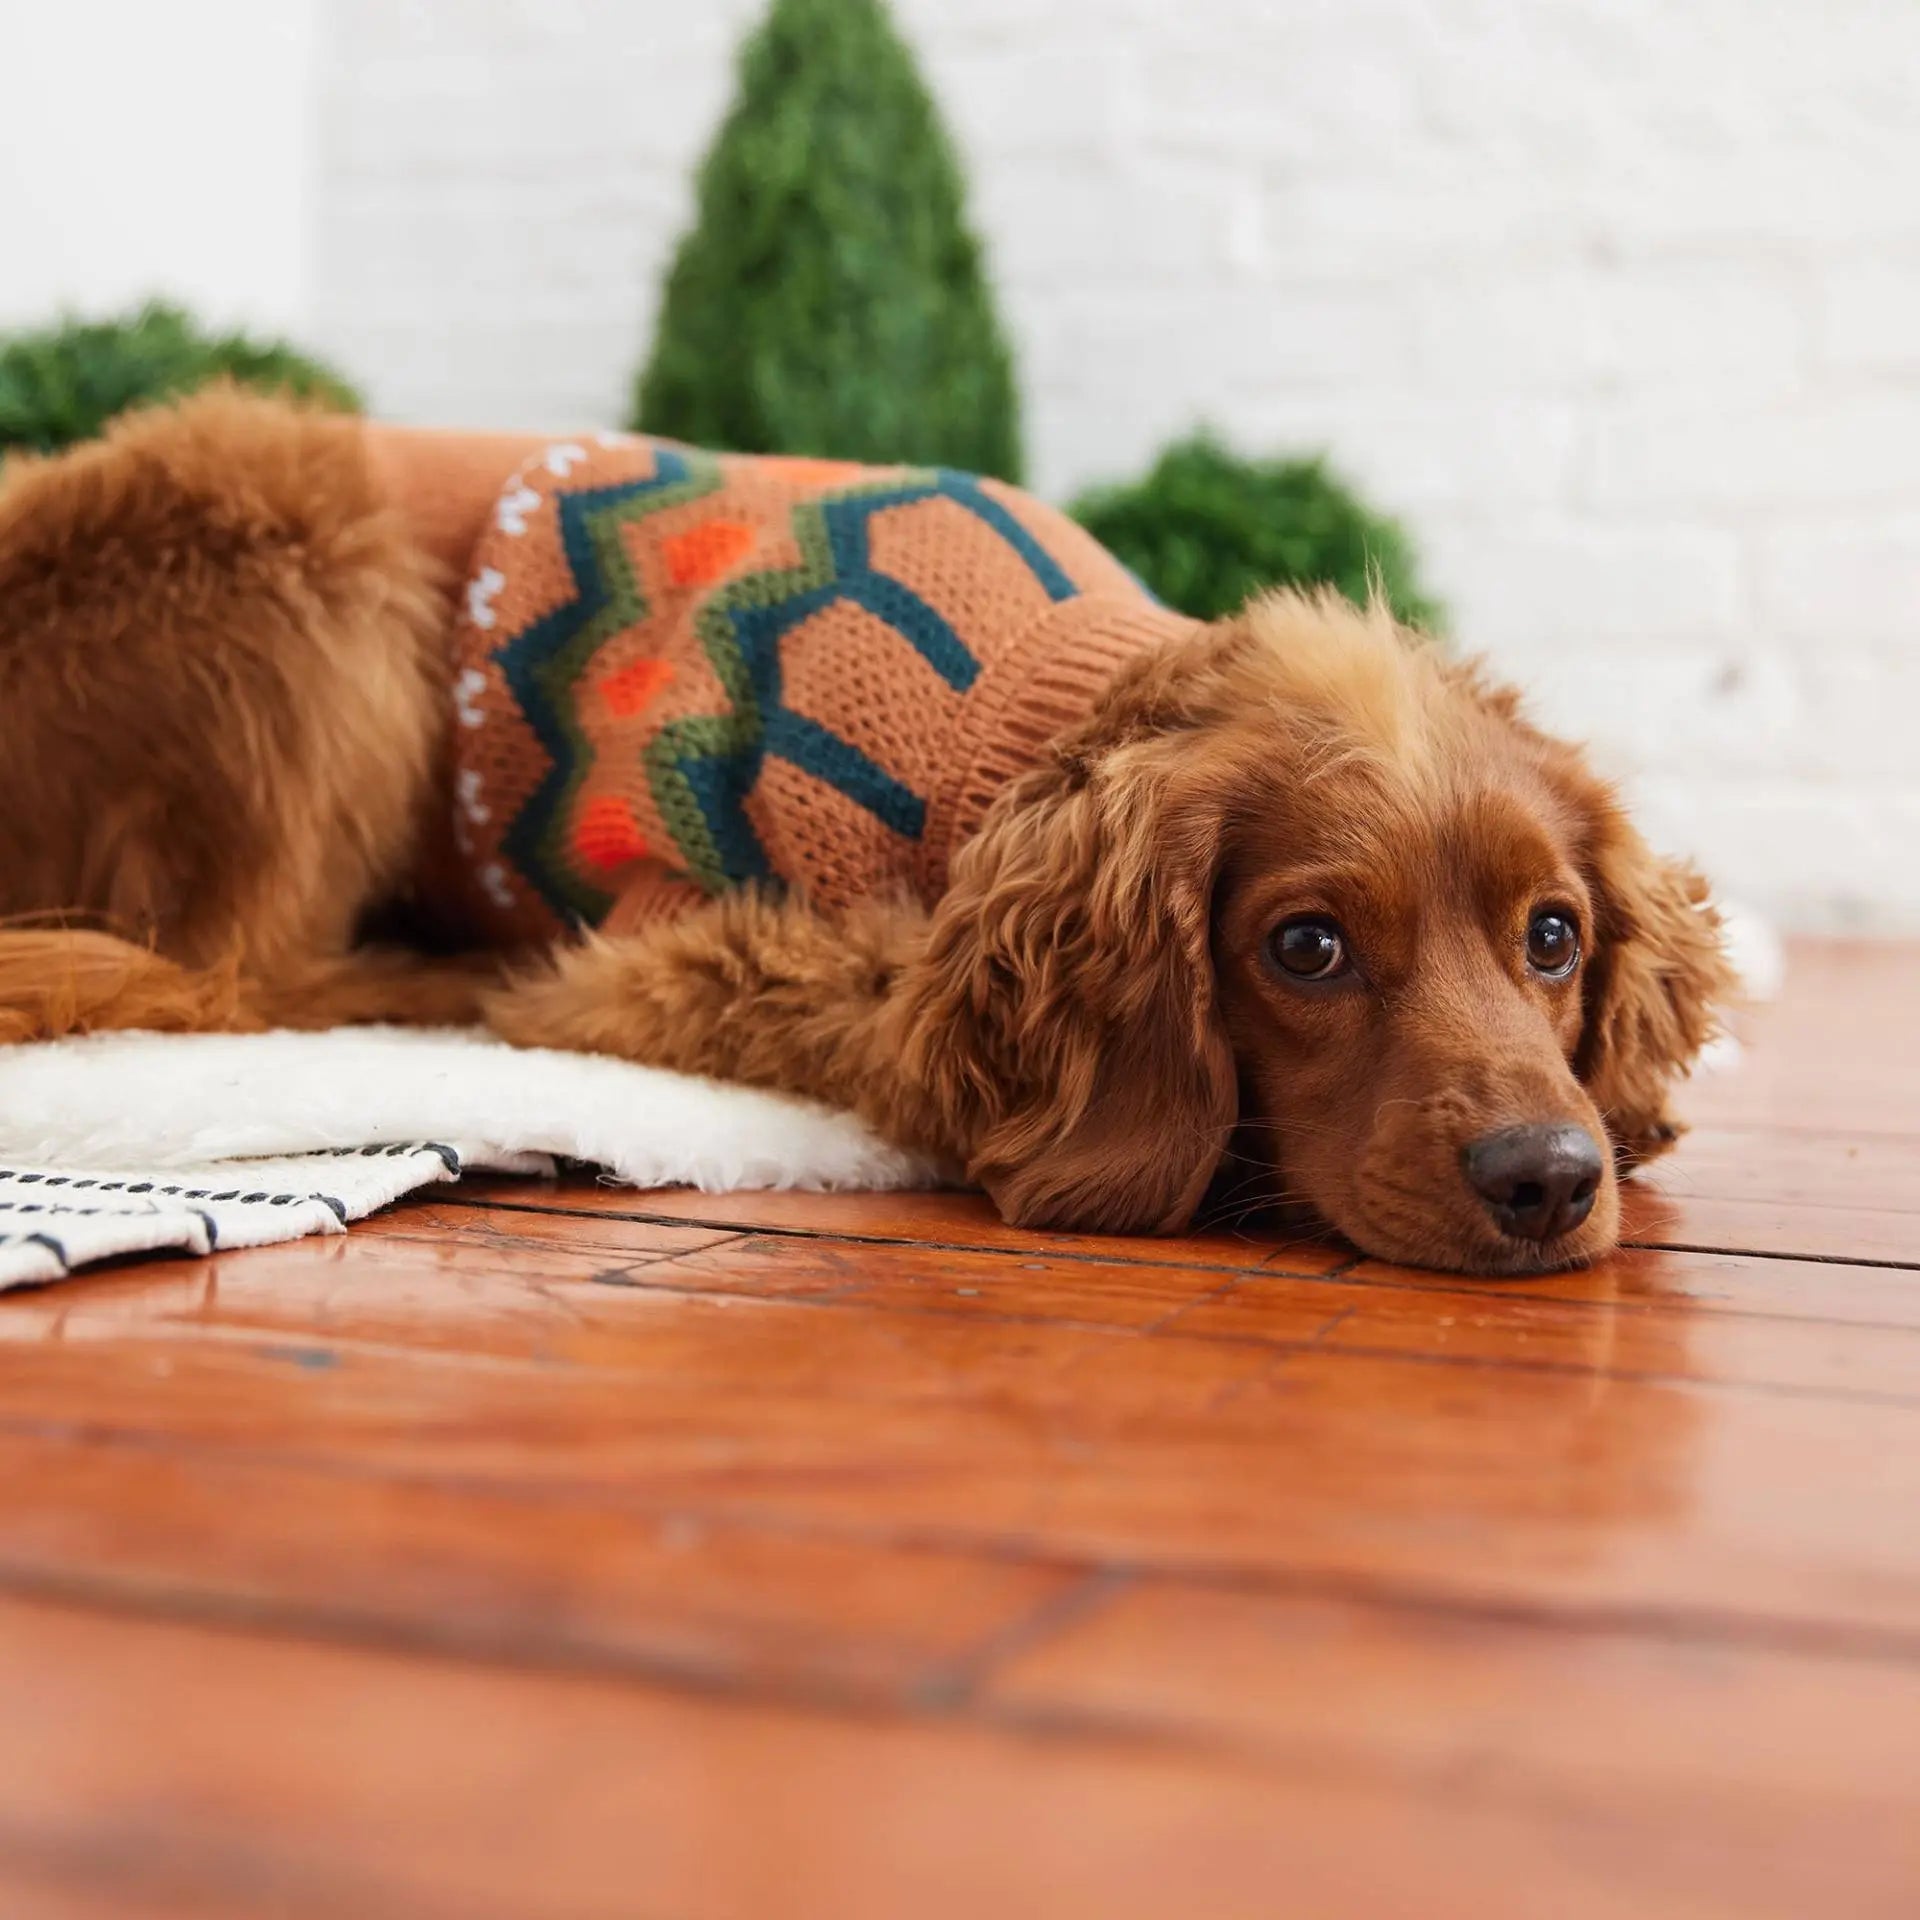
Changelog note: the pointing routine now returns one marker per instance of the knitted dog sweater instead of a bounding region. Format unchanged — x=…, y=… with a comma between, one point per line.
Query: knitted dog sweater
x=675, y=672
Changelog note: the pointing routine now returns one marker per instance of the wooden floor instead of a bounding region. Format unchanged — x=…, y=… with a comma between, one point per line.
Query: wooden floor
x=571, y=1552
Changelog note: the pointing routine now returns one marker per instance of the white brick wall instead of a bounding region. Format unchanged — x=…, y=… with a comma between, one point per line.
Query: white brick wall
x=1617, y=301
x=117, y=158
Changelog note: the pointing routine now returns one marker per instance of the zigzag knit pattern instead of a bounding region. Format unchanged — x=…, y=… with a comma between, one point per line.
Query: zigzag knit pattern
x=680, y=671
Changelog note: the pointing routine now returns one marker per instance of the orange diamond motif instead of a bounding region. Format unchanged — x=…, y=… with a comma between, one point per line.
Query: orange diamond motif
x=632, y=689
x=607, y=836
x=705, y=552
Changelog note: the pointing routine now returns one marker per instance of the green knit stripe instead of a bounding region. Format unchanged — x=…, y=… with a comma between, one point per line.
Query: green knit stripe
x=624, y=606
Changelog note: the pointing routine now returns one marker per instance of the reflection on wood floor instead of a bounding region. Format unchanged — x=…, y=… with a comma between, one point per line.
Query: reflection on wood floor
x=563, y=1551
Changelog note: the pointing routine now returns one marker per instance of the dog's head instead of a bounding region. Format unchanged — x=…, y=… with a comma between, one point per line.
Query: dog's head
x=1308, y=914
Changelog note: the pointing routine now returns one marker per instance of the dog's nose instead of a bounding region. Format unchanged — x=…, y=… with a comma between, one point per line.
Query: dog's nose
x=1538, y=1181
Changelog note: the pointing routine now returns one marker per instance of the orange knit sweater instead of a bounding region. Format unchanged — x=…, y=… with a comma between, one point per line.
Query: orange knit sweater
x=676, y=671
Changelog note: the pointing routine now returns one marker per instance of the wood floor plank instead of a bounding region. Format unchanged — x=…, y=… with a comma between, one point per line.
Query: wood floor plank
x=232, y=1533
x=1698, y=1285
x=1585, y=1334
x=1658, y=1218
x=311, y=1781
x=957, y=1220
x=1488, y=1485
x=1804, y=1167
x=1836, y=1051
x=1815, y=1754
x=1034, y=1284
x=408, y=1294
x=597, y=1245
x=55, y=1887
x=1717, y=1319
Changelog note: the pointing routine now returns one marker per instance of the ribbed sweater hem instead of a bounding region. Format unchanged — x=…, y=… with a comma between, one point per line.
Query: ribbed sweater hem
x=1051, y=678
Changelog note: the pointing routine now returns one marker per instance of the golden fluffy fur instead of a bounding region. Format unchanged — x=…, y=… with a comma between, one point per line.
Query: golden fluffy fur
x=222, y=727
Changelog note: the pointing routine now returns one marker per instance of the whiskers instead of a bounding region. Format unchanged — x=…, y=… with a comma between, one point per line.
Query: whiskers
x=1257, y=1193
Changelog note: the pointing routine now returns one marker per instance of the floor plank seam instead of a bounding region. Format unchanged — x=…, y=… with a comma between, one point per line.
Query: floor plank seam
x=913, y=1702
x=1766, y=1253
x=1092, y=1728
x=1492, y=1294
x=393, y=1231
x=959, y=1685
x=1489, y=1289
x=309, y=1351
x=1233, y=1284
x=1489, y=1294
x=1040, y=1251
x=127, y=1858
x=443, y=1639
x=1662, y=1622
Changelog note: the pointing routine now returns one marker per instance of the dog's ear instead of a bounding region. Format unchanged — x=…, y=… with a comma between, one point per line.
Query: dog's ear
x=1069, y=1005
x=1657, y=980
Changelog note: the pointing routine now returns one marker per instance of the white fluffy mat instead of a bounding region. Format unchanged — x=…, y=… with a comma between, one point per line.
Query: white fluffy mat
x=128, y=1143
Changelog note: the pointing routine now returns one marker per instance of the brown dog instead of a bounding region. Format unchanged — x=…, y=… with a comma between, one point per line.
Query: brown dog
x=1303, y=914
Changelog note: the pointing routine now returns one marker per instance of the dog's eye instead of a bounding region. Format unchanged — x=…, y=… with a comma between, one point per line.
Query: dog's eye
x=1553, y=945
x=1309, y=949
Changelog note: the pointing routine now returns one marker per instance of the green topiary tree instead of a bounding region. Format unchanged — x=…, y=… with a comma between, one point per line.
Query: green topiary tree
x=64, y=383
x=1205, y=529
x=830, y=298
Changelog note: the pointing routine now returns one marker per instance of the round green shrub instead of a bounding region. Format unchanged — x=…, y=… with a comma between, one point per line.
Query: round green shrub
x=830, y=298
x=1206, y=529
x=64, y=383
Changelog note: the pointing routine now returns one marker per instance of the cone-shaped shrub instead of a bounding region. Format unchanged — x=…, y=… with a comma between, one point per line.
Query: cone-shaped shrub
x=830, y=298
